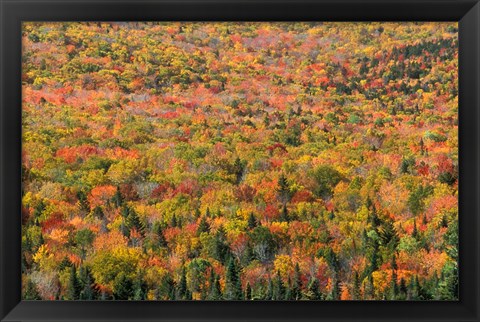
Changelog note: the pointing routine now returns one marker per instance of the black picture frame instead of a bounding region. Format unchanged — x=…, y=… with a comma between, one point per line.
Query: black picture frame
x=13, y=12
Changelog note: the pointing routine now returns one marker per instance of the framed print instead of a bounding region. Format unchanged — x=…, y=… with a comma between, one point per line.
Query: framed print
x=239, y=160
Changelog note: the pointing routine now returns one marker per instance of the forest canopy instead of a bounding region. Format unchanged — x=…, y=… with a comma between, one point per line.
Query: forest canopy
x=240, y=161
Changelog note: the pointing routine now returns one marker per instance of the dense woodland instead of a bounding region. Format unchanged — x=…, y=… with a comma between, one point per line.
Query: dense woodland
x=240, y=161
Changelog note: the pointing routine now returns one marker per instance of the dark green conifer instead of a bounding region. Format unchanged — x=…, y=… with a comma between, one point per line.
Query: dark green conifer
x=278, y=288
x=252, y=221
x=73, y=287
x=233, y=284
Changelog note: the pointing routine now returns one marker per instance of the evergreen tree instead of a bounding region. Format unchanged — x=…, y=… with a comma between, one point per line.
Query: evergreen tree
x=64, y=263
x=269, y=295
x=266, y=120
x=369, y=293
x=124, y=212
x=247, y=256
x=197, y=213
x=31, y=291
x=238, y=170
x=424, y=219
x=335, y=293
x=284, y=214
x=389, y=236
x=98, y=212
x=203, y=226
x=393, y=282
x=372, y=256
x=278, y=288
x=283, y=190
x=117, y=198
x=122, y=287
x=160, y=237
x=139, y=289
x=444, y=221
x=288, y=290
x=73, y=287
x=221, y=247
x=88, y=291
x=233, y=284
x=83, y=203
x=407, y=165
x=402, y=290
x=313, y=290
x=415, y=231
x=297, y=284
x=174, y=221
x=365, y=239
x=215, y=290
x=332, y=259
x=356, y=287
x=331, y=215
x=182, y=285
x=412, y=293
x=41, y=206
x=252, y=221
x=373, y=219
x=166, y=289
x=248, y=292
x=133, y=221
x=448, y=285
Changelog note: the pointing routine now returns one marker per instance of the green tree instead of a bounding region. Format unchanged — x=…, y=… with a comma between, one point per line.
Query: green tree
x=283, y=190
x=284, y=214
x=448, y=285
x=98, y=212
x=263, y=243
x=252, y=221
x=278, y=288
x=203, y=226
x=325, y=178
x=288, y=290
x=356, y=287
x=394, y=281
x=413, y=289
x=269, y=292
x=414, y=230
x=221, y=247
x=215, y=289
x=389, y=236
x=133, y=221
x=238, y=170
x=182, y=289
x=233, y=284
x=416, y=198
x=73, y=286
x=88, y=291
x=248, y=292
x=297, y=284
x=83, y=203
x=139, y=289
x=84, y=239
x=122, y=287
x=407, y=165
x=117, y=198
x=166, y=290
x=157, y=230
x=196, y=274
x=313, y=290
x=31, y=291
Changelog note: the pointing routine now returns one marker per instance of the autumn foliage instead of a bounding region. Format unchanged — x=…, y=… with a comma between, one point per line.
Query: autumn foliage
x=240, y=161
